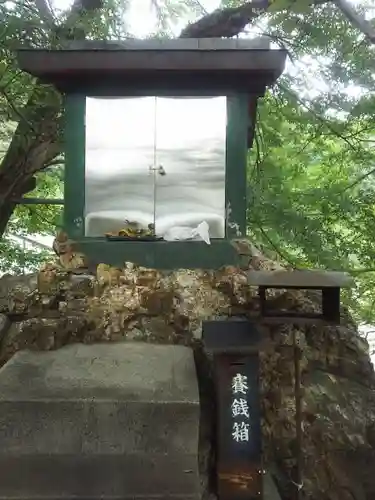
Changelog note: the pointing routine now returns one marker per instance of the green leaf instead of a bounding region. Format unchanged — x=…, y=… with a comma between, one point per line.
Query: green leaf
x=277, y=5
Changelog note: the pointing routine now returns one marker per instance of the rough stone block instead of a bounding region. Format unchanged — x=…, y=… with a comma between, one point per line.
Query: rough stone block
x=4, y=326
x=270, y=491
x=100, y=421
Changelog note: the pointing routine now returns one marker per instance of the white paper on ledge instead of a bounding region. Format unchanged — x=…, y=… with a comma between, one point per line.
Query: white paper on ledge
x=178, y=233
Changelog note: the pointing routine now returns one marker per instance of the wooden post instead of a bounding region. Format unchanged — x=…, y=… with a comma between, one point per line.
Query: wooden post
x=298, y=402
x=239, y=443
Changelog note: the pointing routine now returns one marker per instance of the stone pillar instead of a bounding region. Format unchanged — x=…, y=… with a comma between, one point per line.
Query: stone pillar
x=100, y=421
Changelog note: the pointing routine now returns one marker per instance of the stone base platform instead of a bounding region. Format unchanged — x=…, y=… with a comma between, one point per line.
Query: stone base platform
x=114, y=421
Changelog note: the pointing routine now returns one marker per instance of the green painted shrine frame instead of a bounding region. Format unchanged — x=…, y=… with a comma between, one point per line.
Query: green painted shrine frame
x=158, y=253
x=238, y=69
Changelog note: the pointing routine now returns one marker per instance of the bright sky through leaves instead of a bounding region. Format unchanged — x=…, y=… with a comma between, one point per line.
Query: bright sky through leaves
x=141, y=17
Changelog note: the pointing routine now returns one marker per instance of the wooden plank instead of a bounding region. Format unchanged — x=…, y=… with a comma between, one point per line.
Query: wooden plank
x=38, y=201
x=170, y=44
x=49, y=62
x=159, y=254
x=74, y=185
x=297, y=320
x=259, y=43
x=163, y=83
x=250, y=64
x=239, y=465
x=239, y=440
x=162, y=44
x=300, y=279
x=233, y=336
x=236, y=160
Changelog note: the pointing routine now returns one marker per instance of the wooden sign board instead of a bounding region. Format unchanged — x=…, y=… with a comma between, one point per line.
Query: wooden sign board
x=239, y=442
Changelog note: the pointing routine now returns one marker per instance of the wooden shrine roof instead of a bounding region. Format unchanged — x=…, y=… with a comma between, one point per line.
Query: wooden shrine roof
x=134, y=67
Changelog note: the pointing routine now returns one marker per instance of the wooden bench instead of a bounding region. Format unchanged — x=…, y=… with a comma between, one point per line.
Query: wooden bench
x=328, y=282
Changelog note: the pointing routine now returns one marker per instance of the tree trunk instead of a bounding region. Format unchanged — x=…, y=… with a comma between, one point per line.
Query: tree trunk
x=34, y=143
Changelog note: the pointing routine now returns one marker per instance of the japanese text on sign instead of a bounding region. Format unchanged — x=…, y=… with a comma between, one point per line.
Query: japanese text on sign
x=240, y=408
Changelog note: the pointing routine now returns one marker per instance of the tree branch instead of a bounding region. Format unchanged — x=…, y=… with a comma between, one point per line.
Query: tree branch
x=357, y=271
x=45, y=12
x=88, y=5
x=229, y=22
x=18, y=112
x=358, y=180
x=356, y=20
x=31, y=149
x=225, y=23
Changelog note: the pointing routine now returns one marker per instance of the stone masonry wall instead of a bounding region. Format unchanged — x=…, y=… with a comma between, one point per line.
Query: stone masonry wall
x=59, y=306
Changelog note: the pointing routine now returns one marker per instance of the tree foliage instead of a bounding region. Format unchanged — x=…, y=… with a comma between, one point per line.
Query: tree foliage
x=312, y=168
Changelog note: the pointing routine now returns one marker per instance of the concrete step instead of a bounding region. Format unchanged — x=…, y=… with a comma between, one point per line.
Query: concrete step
x=100, y=421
